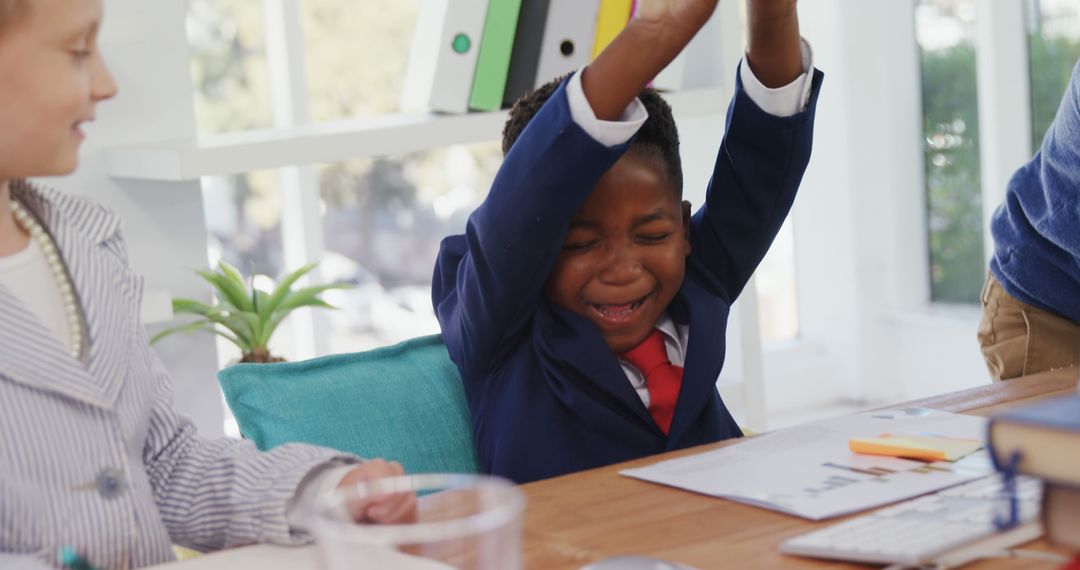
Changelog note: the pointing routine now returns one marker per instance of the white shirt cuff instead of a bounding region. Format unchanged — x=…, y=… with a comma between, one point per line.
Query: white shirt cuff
x=783, y=101
x=607, y=133
x=315, y=486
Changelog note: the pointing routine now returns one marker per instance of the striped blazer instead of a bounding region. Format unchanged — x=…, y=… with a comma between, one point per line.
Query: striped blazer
x=92, y=454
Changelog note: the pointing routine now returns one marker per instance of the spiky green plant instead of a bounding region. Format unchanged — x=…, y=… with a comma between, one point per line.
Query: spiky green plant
x=244, y=315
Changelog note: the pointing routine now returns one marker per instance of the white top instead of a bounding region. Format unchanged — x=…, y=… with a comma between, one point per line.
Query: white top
x=27, y=276
x=781, y=102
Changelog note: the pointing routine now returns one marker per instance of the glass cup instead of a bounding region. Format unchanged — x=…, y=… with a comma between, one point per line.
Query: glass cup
x=469, y=522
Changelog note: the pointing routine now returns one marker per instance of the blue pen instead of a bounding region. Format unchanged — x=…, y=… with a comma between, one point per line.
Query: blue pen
x=70, y=558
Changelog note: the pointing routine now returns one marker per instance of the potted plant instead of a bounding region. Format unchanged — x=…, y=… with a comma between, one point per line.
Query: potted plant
x=244, y=315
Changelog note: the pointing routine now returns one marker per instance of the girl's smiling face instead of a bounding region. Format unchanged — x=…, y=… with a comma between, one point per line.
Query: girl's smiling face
x=53, y=77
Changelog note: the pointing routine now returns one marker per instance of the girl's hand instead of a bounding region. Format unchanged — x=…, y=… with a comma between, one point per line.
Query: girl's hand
x=396, y=508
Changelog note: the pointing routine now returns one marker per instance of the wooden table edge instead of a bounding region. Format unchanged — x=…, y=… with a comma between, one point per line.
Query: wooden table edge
x=554, y=548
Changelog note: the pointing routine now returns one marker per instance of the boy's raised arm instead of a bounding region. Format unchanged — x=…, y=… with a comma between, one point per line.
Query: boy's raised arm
x=773, y=46
x=488, y=281
x=765, y=151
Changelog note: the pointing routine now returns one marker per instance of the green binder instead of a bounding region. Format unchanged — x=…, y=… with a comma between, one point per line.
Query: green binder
x=493, y=60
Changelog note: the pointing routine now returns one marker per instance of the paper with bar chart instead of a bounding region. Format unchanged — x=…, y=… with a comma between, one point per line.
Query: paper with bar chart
x=808, y=470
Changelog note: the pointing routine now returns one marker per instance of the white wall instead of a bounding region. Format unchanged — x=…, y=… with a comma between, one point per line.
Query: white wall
x=145, y=44
x=868, y=332
x=860, y=222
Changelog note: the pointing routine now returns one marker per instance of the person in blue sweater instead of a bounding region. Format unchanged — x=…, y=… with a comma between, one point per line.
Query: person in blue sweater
x=1031, y=300
x=584, y=306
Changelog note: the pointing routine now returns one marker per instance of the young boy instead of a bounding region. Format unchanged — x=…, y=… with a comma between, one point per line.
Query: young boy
x=584, y=306
x=92, y=455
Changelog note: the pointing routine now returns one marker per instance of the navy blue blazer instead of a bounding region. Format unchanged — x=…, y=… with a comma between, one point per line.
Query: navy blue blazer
x=546, y=394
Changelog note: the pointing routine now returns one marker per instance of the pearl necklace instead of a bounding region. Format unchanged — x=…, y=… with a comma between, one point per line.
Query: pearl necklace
x=56, y=265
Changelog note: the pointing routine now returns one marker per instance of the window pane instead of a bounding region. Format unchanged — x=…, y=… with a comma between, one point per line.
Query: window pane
x=383, y=222
x=243, y=217
x=778, y=311
x=1054, y=41
x=945, y=32
x=357, y=53
x=228, y=65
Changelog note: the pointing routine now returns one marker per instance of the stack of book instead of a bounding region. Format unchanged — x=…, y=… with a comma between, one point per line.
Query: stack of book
x=483, y=55
x=1043, y=440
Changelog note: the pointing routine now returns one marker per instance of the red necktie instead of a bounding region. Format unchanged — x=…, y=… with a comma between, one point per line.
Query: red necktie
x=662, y=378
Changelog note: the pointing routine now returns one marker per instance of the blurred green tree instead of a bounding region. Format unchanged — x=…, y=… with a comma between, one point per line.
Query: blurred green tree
x=953, y=182
x=951, y=126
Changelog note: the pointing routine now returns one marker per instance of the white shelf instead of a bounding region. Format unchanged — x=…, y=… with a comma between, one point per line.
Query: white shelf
x=248, y=151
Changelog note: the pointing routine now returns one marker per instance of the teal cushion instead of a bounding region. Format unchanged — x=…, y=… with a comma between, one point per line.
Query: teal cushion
x=403, y=403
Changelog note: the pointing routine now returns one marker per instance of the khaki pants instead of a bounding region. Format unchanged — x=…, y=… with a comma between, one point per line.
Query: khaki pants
x=1018, y=339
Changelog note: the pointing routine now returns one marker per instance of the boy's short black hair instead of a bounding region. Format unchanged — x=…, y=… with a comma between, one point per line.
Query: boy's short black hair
x=657, y=138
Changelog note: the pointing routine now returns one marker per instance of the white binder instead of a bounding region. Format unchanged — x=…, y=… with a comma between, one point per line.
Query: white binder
x=442, y=62
x=568, y=38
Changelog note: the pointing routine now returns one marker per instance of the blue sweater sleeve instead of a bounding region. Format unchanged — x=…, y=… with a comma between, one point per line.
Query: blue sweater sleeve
x=488, y=282
x=1057, y=170
x=1037, y=229
x=758, y=170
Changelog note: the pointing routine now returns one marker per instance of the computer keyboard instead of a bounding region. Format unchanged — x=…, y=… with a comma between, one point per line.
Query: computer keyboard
x=948, y=528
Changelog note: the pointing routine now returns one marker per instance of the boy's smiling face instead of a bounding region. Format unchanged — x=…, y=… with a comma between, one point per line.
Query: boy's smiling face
x=53, y=77
x=624, y=256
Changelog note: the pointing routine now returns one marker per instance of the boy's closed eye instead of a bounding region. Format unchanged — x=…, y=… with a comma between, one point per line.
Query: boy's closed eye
x=581, y=236
x=572, y=244
x=655, y=228
x=653, y=238
x=583, y=243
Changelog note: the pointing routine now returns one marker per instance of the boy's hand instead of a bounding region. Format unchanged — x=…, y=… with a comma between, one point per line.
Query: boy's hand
x=397, y=508
x=676, y=18
x=661, y=30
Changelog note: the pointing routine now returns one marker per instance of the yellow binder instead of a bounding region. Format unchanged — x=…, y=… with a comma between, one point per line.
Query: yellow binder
x=613, y=16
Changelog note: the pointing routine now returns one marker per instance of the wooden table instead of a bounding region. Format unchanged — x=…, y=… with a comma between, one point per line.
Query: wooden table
x=591, y=515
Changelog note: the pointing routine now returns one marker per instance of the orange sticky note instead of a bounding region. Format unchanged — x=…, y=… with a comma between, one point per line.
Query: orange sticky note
x=922, y=447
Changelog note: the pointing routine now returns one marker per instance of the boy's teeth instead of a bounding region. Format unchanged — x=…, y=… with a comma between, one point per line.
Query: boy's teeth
x=623, y=309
